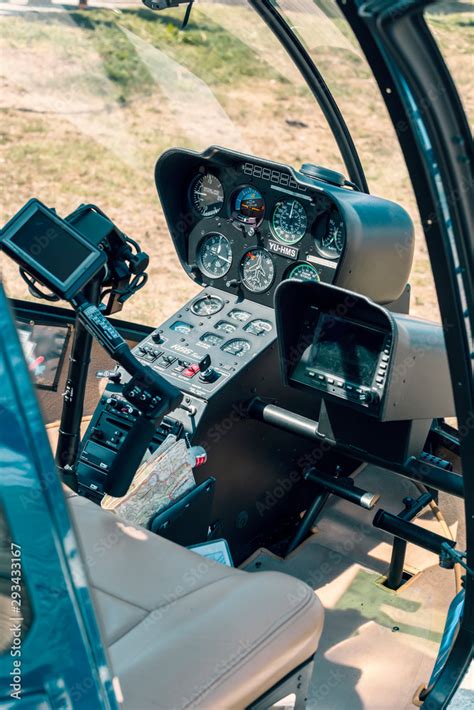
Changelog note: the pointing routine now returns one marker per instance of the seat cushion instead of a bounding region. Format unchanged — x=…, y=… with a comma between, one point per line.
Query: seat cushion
x=186, y=632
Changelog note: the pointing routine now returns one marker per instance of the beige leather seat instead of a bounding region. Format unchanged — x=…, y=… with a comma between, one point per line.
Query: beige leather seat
x=184, y=632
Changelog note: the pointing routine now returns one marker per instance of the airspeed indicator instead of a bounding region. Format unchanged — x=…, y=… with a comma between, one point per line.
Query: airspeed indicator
x=289, y=221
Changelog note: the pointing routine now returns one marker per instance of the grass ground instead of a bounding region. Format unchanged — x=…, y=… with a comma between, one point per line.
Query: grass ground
x=89, y=100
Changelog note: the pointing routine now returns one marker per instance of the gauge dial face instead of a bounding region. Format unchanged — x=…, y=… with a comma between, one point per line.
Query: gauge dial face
x=239, y=315
x=207, y=194
x=289, y=221
x=211, y=338
x=258, y=270
x=248, y=205
x=225, y=326
x=303, y=272
x=214, y=256
x=332, y=241
x=181, y=327
x=207, y=305
x=259, y=326
x=237, y=347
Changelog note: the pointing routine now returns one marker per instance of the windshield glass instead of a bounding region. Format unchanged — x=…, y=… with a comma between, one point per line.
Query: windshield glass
x=90, y=99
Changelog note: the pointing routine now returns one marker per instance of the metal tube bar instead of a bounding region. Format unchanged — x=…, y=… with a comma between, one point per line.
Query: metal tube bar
x=414, y=469
x=410, y=532
x=308, y=520
x=397, y=563
x=73, y=405
x=344, y=488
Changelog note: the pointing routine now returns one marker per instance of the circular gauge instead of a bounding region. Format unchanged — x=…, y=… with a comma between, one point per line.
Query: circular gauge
x=237, y=347
x=211, y=338
x=331, y=241
x=225, y=326
x=257, y=270
x=207, y=305
x=214, y=256
x=303, y=272
x=259, y=326
x=207, y=194
x=248, y=205
x=289, y=221
x=239, y=315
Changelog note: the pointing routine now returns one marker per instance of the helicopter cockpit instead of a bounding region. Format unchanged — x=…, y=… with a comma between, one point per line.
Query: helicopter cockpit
x=263, y=471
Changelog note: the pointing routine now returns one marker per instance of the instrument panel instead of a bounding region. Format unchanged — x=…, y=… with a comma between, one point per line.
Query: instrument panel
x=243, y=225
x=209, y=340
x=249, y=237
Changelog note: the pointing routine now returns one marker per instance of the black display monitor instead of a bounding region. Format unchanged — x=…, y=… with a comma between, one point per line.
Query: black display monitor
x=50, y=249
x=346, y=350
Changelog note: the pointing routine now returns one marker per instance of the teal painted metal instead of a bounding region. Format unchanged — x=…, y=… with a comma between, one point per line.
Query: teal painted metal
x=62, y=661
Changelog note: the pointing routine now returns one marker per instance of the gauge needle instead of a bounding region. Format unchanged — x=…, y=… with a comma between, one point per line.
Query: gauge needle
x=292, y=208
x=223, y=258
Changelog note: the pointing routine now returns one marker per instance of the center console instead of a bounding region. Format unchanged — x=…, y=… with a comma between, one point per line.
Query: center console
x=208, y=341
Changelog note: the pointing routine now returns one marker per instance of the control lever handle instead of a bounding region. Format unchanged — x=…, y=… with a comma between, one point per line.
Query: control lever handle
x=147, y=395
x=129, y=457
x=148, y=391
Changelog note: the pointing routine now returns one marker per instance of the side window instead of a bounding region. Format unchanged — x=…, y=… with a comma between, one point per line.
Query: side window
x=451, y=25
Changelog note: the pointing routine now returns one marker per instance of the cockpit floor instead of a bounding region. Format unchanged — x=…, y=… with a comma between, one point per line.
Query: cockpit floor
x=378, y=646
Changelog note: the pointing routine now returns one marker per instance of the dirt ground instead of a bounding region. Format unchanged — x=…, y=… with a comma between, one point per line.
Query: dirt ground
x=74, y=128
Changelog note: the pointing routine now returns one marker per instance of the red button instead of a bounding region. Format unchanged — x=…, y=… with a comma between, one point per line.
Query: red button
x=191, y=370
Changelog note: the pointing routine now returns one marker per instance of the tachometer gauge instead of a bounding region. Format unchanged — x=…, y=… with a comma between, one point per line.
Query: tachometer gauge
x=214, y=256
x=331, y=242
x=248, y=205
x=237, y=347
x=257, y=270
x=207, y=194
x=289, y=221
x=207, y=305
x=303, y=272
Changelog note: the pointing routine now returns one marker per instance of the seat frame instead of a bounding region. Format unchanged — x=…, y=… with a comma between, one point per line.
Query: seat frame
x=297, y=682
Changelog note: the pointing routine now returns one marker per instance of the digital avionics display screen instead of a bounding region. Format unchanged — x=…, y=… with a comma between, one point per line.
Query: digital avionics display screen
x=346, y=350
x=42, y=239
